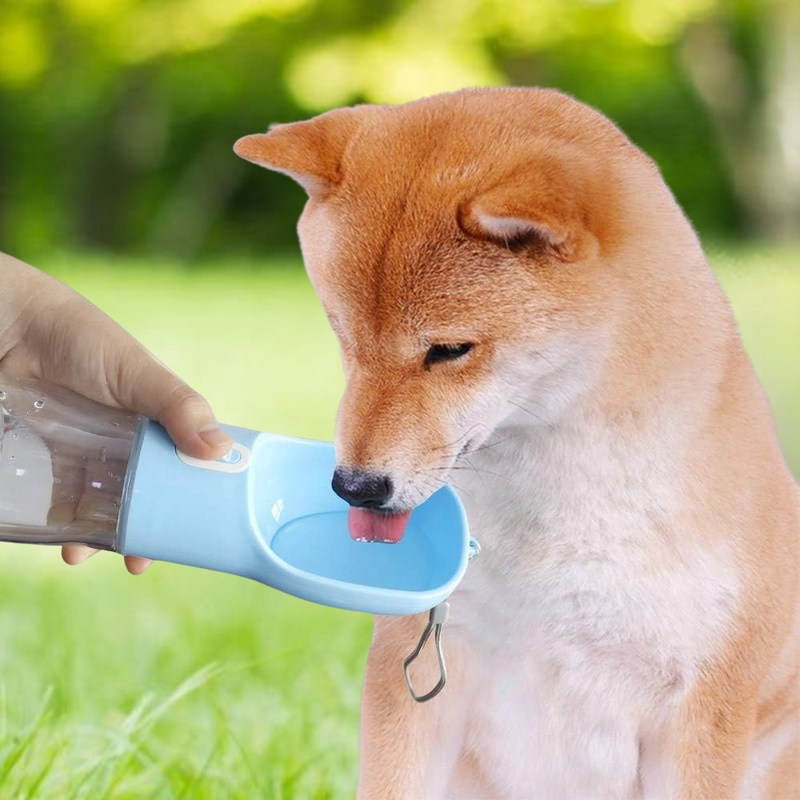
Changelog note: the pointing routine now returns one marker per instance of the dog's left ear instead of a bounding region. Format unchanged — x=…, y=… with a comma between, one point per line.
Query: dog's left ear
x=554, y=206
x=310, y=152
x=500, y=216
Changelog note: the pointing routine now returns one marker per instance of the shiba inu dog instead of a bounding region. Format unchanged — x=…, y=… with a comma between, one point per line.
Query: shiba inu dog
x=524, y=310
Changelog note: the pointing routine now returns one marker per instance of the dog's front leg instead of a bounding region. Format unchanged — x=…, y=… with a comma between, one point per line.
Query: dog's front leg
x=715, y=731
x=409, y=749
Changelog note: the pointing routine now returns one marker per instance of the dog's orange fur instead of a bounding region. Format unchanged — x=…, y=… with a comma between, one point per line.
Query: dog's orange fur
x=399, y=244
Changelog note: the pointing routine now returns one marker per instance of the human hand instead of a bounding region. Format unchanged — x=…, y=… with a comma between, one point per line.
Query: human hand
x=50, y=332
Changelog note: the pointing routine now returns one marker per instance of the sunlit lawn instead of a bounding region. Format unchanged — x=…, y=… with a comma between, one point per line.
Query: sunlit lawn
x=191, y=684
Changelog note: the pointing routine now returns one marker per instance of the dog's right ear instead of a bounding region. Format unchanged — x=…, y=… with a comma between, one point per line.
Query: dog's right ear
x=310, y=152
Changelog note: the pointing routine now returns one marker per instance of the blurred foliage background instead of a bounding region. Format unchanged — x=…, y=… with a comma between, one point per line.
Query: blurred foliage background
x=117, y=119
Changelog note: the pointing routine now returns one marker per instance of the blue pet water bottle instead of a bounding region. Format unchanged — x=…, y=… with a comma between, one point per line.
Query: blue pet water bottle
x=72, y=470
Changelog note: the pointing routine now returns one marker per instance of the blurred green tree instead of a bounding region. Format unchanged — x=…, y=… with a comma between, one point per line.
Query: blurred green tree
x=117, y=116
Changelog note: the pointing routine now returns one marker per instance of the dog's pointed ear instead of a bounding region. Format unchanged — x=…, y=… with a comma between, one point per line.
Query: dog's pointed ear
x=512, y=216
x=502, y=223
x=310, y=152
x=542, y=207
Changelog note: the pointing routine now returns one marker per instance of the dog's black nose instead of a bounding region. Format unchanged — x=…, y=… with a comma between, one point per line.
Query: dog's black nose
x=366, y=489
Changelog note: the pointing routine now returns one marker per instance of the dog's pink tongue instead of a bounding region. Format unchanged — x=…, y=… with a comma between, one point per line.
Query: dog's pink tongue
x=368, y=526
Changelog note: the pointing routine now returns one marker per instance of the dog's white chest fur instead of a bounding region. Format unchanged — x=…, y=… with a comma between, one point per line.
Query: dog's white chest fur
x=585, y=618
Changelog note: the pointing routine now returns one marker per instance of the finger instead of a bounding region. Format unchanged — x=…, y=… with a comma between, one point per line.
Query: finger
x=136, y=565
x=191, y=425
x=146, y=386
x=97, y=358
x=75, y=554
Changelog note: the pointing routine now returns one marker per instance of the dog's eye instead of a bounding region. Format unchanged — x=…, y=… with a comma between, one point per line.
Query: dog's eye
x=446, y=352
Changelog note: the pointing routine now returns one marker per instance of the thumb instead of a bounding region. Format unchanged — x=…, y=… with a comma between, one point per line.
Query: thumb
x=144, y=385
x=78, y=346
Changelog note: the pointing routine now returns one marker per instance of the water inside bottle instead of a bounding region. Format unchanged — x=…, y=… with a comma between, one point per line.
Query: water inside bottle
x=62, y=465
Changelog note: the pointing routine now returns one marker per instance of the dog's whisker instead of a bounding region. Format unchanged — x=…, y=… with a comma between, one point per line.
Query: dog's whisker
x=544, y=358
x=487, y=446
x=532, y=413
x=439, y=482
x=462, y=465
x=481, y=472
x=459, y=489
x=477, y=470
x=491, y=444
x=463, y=435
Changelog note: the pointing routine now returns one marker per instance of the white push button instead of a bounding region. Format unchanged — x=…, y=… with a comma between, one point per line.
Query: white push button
x=236, y=459
x=233, y=456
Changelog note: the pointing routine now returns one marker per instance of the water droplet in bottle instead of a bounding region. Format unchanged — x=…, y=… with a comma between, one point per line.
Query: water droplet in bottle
x=37, y=404
x=103, y=453
x=2, y=395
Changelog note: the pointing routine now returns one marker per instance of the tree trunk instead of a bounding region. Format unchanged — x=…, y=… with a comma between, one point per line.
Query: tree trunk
x=758, y=132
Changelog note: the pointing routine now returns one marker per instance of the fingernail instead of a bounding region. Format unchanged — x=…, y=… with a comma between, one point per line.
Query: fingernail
x=213, y=435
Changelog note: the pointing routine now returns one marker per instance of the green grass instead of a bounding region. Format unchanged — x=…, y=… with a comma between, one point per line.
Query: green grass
x=193, y=685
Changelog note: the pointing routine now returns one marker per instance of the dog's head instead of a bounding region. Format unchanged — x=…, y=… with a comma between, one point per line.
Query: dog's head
x=460, y=248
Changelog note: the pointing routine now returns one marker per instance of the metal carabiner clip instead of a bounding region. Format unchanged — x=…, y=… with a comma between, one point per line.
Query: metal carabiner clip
x=436, y=621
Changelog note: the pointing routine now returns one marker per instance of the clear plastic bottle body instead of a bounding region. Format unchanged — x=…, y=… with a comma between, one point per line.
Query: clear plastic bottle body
x=63, y=460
